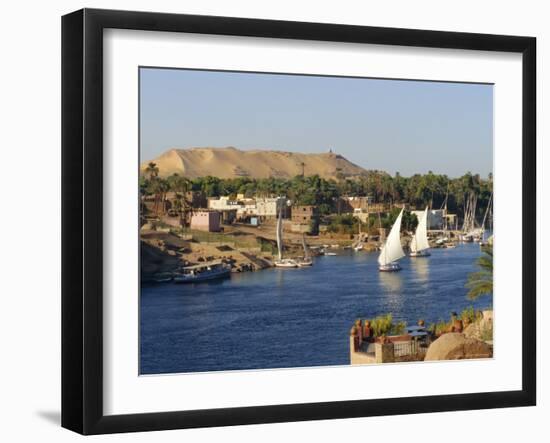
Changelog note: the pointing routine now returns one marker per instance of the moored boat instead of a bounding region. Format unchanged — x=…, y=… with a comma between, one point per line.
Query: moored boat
x=286, y=263
x=203, y=272
x=306, y=261
x=282, y=262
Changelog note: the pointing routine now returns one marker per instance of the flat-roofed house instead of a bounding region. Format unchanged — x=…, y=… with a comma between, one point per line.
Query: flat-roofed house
x=304, y=214
x=269, y=207
x=436, y=218
x=208, y=221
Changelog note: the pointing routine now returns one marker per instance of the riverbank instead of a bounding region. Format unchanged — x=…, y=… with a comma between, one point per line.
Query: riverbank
x=244, y=248
x=165, y=253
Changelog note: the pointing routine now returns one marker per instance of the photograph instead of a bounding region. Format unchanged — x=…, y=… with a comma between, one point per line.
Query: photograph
x=300, y=220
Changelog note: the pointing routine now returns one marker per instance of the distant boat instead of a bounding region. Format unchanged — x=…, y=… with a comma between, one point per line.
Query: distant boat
x=306, y=261
x=203, y=272
x=467, y=238
x=419, y=243
x=282, y=262
x=392, y=250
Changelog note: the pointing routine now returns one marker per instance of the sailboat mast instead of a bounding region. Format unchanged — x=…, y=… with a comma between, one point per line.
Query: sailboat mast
x=486, y=212
x=306, y=253
x=279, y=234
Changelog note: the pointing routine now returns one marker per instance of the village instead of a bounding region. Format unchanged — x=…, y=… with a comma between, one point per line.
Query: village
x=241, y=231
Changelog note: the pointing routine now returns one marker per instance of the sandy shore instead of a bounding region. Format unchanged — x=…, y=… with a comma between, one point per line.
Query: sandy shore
x=245, y=248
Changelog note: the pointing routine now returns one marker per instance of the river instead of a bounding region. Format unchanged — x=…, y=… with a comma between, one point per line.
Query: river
x=283, y=318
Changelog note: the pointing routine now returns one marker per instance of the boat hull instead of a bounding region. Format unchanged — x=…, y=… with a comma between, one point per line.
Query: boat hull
x=305, y=263
x=286, y=264
x=203, y=277
x=419, y=254
x=390, y=267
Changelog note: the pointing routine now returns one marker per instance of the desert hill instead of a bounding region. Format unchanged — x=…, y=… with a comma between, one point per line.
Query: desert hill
x=232, y=163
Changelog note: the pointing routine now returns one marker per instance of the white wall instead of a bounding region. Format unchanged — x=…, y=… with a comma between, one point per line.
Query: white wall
x=30, y=246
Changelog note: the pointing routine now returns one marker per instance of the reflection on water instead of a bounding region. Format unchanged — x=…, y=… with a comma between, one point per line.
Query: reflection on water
x=283, y=318
x=392, y=282
x=421, y=266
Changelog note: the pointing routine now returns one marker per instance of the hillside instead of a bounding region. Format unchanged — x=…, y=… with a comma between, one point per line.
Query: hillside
x=231, y=163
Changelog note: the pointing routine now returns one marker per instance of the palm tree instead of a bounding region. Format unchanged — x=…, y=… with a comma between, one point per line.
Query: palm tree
x=180, y=185
x=152, y=170
x=481, y=282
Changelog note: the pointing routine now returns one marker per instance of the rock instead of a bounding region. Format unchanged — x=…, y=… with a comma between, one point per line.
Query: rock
x=482, y=328
x=456, y=346
x=472, y=331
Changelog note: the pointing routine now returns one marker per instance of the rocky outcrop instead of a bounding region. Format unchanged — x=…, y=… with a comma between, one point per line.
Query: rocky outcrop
x=456, y=346
x=482, y=329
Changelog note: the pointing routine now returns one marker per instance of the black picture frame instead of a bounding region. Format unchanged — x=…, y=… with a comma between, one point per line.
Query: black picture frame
x=82, y=218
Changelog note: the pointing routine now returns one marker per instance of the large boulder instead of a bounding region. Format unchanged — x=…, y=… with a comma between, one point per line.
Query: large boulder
x=456, y=346
x=482, y=329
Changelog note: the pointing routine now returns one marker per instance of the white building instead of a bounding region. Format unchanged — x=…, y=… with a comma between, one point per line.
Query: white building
x=436, y=218
x=262, y=207
x=223, y=204
x=269, y=207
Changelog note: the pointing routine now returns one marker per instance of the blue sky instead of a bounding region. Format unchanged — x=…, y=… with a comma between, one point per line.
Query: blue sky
x=390, y=125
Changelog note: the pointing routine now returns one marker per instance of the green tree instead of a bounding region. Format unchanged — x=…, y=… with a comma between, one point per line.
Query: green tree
x=481, y=282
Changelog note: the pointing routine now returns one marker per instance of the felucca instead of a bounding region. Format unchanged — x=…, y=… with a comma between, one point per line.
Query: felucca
x=392, y=250
x=306, y=261
x=419, y=243
x=282, y=262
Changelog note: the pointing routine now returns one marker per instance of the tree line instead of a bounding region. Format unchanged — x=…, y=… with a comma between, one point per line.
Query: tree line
x=418, y=190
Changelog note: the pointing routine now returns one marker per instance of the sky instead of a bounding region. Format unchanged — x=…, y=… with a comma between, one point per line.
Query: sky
x=391, y=125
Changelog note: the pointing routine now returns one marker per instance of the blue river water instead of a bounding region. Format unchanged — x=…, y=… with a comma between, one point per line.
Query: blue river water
x=284, y=318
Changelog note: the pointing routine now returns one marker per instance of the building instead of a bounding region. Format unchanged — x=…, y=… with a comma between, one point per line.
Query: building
x=206, y=221
x=224, y=204
x=436, y=218
x=304, y=214
x=262, y=207
x=270, y=207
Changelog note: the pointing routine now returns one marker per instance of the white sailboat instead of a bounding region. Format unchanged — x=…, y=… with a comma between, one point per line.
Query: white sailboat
x=419, y=243
x=306, y=261
x=482, y=240
x=358, y=246
x=392, y=250
x=282, y=262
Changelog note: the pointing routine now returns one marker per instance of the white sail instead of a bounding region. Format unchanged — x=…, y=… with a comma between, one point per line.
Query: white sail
x=420, y=239
x=392, y=250
x=306, y=252
x=280, y=234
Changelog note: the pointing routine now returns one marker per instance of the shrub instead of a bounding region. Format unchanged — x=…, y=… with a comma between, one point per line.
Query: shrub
x=439, y=328
x=468, y=314
x=384, y=325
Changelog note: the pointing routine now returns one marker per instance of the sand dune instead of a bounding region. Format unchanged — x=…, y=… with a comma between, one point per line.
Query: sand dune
x=231, y=163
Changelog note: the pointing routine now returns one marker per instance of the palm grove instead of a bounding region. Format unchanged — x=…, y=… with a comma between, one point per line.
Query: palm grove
x=418, y=191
